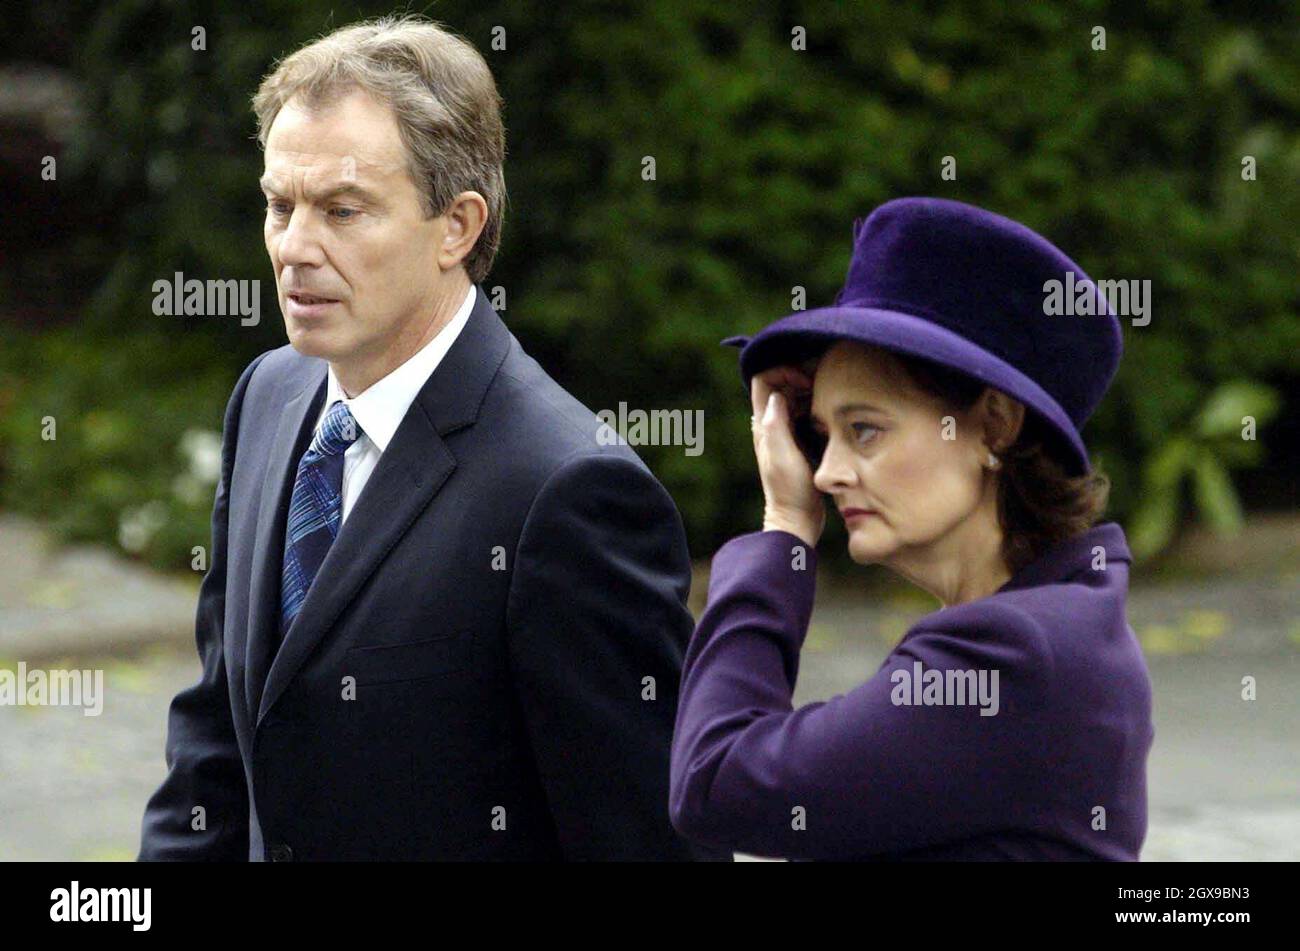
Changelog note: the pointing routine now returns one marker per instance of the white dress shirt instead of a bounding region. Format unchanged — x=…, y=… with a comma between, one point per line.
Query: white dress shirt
x=380, y=408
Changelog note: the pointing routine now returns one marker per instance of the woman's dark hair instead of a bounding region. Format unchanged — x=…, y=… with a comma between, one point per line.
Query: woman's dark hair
x=1039, y=503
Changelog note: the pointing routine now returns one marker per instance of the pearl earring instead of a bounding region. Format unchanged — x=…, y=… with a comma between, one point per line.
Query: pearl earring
x=993, y=461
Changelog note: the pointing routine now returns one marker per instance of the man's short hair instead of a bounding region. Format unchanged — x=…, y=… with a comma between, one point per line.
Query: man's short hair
x=445, y=99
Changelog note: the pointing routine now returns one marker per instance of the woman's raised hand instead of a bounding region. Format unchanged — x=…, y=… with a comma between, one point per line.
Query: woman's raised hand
x=791, y=501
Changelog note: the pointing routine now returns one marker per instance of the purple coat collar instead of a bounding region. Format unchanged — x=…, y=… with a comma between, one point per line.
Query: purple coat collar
x=1073, y=558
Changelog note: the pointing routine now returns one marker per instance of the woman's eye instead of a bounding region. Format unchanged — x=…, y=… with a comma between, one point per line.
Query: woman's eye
x=864, y=432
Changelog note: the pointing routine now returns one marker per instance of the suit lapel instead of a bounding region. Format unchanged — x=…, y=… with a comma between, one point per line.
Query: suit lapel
x=297, y=422
x=416, y=464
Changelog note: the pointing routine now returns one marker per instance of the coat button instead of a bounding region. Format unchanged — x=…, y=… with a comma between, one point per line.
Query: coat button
x=281, y=853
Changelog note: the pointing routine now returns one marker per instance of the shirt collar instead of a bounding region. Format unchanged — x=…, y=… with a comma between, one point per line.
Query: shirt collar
x=381, y=407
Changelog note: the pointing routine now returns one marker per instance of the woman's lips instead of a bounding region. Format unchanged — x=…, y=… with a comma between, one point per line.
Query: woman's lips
x=852, y=514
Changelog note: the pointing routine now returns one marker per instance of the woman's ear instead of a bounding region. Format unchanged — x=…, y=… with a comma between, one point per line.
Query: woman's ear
x=1002, y=418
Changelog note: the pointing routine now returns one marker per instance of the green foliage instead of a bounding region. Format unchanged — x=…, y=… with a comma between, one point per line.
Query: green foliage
x=131, y=461
x=1130, y=158
x=1222, y=436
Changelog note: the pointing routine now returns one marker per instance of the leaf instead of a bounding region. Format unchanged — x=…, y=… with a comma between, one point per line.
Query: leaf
x=1237, y=453
x=1216, y=499
x=1154, y=524
x=1223, y=411
x=1165, y=467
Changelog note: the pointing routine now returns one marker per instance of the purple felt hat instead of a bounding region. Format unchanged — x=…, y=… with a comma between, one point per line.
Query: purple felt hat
x=966, y=289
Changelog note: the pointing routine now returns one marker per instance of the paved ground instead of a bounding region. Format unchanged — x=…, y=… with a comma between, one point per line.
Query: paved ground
x=1224, y=773
x=81, y=599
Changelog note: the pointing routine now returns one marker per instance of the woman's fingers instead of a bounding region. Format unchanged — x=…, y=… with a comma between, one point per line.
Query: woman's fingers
x=772, y=425
x=776, y=422
x=783, y=468
x=791, y=500
x=794, y=384
x=786, y=378
x=759, y=390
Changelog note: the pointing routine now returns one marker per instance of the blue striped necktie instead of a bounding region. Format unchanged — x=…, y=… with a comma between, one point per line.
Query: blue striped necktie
x=315, y=508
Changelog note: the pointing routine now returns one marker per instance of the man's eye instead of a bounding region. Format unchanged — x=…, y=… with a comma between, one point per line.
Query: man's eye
x=345, y=214
x=864, y=432
x=277, y=207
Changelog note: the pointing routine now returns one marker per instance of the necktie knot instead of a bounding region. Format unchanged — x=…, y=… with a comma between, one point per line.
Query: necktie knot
x=337, y=432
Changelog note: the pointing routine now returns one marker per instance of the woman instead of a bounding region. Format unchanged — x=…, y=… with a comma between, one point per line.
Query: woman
x=938, y=406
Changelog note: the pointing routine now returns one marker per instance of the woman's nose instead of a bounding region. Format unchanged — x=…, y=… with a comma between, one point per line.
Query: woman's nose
x=834, y=471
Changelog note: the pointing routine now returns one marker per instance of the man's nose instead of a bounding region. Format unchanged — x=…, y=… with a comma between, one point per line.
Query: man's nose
x=300, y=244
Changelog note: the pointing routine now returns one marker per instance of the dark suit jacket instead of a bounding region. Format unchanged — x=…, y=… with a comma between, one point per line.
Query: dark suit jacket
x=500, y=595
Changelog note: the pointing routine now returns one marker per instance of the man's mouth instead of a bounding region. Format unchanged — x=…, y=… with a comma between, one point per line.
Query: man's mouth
x=308, y=299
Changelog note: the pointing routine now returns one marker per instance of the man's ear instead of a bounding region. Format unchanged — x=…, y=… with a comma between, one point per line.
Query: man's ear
x=466, y=218
x=1002, y=418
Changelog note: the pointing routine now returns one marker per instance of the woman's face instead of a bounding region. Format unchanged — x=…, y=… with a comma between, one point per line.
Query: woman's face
x=904, y=470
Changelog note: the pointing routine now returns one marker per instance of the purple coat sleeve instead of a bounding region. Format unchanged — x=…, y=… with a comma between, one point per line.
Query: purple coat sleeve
x=859, y=774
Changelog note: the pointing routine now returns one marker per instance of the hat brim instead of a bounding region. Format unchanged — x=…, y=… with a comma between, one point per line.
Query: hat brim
x=799, y=336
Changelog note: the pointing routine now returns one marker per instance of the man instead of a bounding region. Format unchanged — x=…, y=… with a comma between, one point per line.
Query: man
x=443, y=620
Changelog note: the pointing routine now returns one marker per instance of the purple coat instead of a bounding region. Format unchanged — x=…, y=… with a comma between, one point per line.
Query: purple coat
x=1015, y=726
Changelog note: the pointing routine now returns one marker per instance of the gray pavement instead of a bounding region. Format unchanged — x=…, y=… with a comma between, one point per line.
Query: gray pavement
x=82, y=599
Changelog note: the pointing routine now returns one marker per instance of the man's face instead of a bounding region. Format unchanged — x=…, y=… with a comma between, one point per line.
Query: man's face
x=355, y=258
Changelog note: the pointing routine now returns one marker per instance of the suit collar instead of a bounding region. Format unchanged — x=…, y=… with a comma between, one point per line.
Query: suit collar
x=382, y=406
x=454, y=394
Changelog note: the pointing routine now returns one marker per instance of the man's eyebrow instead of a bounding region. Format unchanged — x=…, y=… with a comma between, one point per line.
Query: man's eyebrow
x=268, y=184
x=347, y=188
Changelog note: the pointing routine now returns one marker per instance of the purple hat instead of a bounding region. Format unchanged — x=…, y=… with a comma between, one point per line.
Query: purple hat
x=966, y=289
